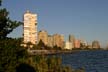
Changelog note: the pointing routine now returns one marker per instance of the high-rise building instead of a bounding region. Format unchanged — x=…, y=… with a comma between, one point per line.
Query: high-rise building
x=84, y=43
x=58, y=40
x=30, y=28
x=95, y=44
x=77, y=43
x=68, y=45
x=72, y=40
x=43, y=35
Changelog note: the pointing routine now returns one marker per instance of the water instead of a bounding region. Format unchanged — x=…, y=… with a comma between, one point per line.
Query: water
x=92, y=61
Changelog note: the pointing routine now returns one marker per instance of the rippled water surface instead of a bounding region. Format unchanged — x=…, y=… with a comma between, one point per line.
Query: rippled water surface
x=92, y=61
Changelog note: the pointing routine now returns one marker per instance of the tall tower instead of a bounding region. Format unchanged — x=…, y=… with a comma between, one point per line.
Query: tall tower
x=72, y=40
x=30, y=28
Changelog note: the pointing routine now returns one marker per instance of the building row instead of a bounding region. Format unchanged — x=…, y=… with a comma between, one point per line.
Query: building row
x=31, y=34
x=51, y=40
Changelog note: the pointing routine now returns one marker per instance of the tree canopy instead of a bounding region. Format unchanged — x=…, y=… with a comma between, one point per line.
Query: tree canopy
x=6, y=24
x=11, y=54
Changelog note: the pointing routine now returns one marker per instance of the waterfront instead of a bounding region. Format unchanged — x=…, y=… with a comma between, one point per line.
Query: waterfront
x=92, y=61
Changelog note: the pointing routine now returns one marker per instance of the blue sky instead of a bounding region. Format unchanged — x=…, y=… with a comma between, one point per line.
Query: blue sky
x=85, y=19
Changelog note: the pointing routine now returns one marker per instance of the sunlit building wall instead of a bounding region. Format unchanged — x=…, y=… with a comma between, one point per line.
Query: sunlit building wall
x=50, y=41
x=68, y=45
x=77, y=43
x=83, y=43
x=30, y=28
x=58, y=40
x=43, y=35
x=72, y=40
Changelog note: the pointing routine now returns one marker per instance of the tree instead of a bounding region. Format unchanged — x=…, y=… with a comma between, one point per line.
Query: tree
x=11, y=55
x=41, y=44
x=6, y=24
x=0, y=2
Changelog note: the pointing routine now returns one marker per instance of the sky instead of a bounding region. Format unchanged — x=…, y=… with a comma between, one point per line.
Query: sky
x=85, y=19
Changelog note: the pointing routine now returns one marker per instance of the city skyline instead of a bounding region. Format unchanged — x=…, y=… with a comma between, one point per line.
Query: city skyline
x=85, y=19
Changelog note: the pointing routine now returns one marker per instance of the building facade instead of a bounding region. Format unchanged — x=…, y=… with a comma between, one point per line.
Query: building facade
x=68, y=45
x=72, y=40
x=30, y=28
x=50, y=41
x=83, y=43
x=43, y=35
x=58, y=40
x=77, y=43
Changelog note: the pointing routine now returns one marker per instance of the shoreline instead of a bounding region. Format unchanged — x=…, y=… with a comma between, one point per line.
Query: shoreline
x=51, y=52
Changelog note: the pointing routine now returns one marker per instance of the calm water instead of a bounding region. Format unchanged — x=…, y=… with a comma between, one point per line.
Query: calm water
x=92, y=61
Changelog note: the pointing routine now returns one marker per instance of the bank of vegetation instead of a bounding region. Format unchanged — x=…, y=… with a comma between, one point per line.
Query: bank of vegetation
x=15, y=58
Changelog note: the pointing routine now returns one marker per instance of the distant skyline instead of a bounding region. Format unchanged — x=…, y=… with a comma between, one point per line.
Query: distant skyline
x=85, y=19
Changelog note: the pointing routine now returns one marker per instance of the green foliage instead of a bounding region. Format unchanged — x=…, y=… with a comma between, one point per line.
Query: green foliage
x=25, y=68
x=11, y=55
x=41, y=46
x=14, y=58
x=53, y=64
x=0, y=2
x=57, y=48
x=6, y=24
x=41, y=43
x=50, y=64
